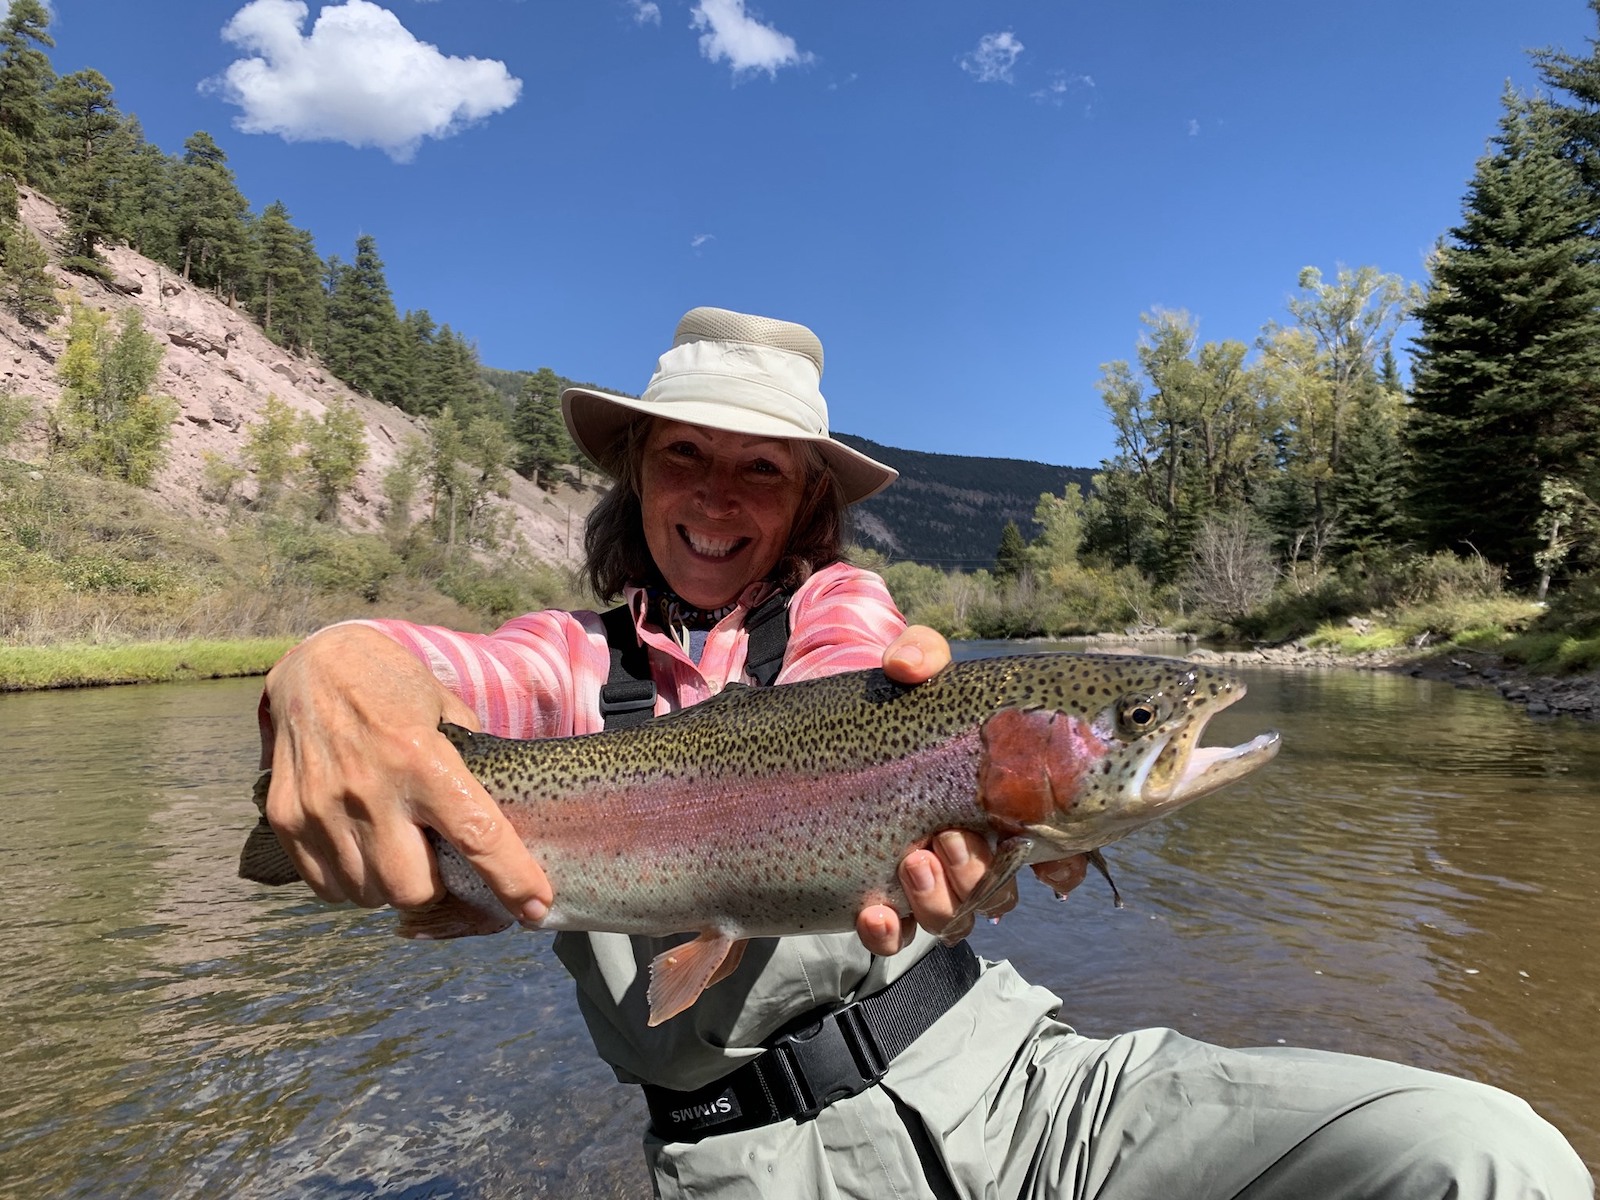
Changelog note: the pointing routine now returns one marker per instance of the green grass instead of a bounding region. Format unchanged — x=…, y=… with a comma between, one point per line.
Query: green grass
x=25, y=668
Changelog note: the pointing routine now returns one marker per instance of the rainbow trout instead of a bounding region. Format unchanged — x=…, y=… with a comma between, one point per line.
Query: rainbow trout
x=786, y=810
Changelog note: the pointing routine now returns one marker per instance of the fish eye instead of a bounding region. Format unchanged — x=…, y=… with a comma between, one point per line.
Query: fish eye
x=1138, y=714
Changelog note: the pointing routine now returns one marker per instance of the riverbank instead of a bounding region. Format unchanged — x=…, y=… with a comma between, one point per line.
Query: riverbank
x=37, y=668
x=1542, y=695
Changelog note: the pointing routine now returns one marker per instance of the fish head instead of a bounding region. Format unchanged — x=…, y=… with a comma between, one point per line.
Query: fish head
x=1099, y=745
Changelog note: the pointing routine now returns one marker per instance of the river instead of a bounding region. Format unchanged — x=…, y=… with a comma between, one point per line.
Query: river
x=1415, y=877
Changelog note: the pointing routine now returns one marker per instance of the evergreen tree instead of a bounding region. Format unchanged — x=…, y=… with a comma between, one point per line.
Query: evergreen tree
x=1506, y=391
x=279, y=265
x=537, y=426
x=26, y=285
x=25, y=78
x=363, y=338
x=89, y=163
x=146, y=200
x=1369, y=486
x=1577, y=120
x=211, y=218
x=1011, y=557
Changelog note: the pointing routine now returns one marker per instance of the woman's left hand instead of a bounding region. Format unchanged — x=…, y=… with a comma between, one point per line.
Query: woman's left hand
x=937, y=880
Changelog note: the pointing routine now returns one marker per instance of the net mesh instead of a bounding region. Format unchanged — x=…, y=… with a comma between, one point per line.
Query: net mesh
x=720, y=325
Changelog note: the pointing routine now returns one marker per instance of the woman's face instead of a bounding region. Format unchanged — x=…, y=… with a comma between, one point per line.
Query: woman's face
x=718, y=507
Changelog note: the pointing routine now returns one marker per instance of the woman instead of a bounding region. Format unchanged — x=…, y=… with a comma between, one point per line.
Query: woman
x=942, y=1076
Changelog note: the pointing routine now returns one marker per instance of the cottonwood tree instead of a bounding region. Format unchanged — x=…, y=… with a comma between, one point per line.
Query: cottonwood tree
x=108, y=419
x=335, y=449
x=1231, y=568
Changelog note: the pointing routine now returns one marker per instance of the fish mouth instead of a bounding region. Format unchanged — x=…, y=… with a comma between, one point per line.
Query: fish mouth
x=1182, y=770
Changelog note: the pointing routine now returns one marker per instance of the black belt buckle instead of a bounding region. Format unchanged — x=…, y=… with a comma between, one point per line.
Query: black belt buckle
x=830, y=1061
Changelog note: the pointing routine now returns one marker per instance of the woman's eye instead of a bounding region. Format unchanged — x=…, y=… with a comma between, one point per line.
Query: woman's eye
x=762, y=467
x=683, y=449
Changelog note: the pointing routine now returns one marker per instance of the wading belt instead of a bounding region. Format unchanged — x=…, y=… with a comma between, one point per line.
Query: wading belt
x=827, y=1058
x=823, y=1057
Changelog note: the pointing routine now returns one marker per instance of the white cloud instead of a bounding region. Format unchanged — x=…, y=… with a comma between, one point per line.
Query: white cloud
x=645, y=12
x=733, y=34
x=1062, y=86
x=992, y=60
x=360, y=77
x=1194, y=127
x=700, y=239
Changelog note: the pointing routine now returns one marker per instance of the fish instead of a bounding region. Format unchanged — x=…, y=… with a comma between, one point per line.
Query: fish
x=767, y=812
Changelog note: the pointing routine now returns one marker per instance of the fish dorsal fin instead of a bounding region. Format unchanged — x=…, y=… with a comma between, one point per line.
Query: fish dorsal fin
x=679, y=975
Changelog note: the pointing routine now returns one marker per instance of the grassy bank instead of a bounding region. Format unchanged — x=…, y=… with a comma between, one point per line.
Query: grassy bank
x=25, y=668
x=99, y=584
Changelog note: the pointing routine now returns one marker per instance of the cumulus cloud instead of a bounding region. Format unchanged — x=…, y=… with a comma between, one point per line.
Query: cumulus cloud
x=645, y=12
x=359, y=77
x=992, y=59
x=729, y=32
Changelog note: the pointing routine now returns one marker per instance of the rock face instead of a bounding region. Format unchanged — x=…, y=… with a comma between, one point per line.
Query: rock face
x=221, y=369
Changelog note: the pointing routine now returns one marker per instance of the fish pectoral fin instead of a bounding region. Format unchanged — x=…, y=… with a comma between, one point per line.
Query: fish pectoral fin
x=679, y=975
x=264, y=860
x=451, y=917
x=1098, y=861
x=1009, y=857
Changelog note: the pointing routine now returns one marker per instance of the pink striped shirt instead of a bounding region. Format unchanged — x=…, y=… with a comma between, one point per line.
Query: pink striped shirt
x=540, y=675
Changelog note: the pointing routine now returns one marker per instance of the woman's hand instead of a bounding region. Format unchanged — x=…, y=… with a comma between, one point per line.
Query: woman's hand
x=359, y=769
x=938, y=879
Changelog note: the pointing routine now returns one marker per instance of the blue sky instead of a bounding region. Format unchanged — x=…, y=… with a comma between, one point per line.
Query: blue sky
x=972, y=203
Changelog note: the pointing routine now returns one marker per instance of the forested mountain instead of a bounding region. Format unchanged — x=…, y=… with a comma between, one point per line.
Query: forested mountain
x=948, y=510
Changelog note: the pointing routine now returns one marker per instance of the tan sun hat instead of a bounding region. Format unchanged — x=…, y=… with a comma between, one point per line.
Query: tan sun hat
x=737, y=372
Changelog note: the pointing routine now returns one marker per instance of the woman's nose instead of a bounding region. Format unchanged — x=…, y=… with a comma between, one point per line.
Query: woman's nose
x=716, y=495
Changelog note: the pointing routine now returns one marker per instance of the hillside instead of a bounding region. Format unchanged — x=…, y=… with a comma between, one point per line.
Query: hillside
x=221, y=369
x=948, y=510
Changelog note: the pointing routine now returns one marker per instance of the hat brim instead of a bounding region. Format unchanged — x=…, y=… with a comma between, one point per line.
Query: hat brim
x=597, y=419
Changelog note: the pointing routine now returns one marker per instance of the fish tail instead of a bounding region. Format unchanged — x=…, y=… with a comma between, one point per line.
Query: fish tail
x=264, y=860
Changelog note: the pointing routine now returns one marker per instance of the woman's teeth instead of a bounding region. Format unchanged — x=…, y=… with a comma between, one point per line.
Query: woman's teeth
x=709, y=546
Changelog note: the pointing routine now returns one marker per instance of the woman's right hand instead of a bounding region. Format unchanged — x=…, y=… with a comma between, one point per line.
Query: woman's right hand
x=360, y=769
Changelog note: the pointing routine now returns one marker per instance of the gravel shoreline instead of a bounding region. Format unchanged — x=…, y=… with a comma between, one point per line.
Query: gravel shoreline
x=1540, y=695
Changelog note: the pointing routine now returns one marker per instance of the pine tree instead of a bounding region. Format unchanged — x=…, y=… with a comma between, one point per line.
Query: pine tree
x=363, y=340
x=26, y=285
x=1507, y=382
x=1368, y=490
x=211, y=224
x=89, y=164
x=25, y=78
x=280, y=269
x=146, y=200
x=537, y=427
x=1011, y=558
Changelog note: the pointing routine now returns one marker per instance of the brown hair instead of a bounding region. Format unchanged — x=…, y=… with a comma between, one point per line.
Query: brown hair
x=615, y=553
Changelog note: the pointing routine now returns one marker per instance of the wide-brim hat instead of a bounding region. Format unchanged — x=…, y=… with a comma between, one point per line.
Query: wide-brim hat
x=737, y=372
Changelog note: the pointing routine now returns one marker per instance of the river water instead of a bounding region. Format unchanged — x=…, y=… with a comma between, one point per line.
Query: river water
x=1415, y=877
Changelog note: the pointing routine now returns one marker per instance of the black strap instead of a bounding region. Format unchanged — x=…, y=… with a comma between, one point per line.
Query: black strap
x=825, y=1059
x=628, y=697
x=768, y=627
